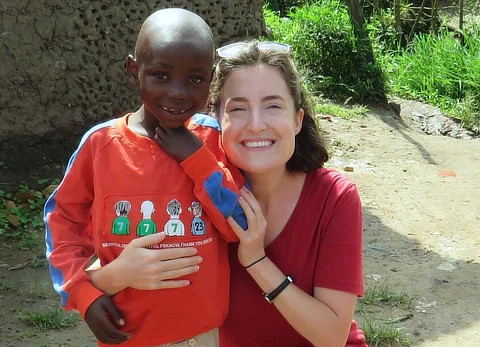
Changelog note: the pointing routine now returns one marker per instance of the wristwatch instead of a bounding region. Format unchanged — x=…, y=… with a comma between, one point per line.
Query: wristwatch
x=270, y=297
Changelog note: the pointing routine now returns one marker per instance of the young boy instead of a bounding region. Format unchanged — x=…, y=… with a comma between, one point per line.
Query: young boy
x=120, y=185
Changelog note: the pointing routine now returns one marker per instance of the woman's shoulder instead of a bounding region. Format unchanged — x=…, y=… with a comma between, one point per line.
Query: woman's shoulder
x=329, y=185
x=323, y=177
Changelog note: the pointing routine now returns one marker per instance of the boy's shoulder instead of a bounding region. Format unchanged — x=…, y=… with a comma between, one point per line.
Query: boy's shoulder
x=204, y=120
x=99, y=133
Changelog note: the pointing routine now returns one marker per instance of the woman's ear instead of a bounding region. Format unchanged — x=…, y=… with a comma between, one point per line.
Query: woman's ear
x=132, y=70
x=299, y=121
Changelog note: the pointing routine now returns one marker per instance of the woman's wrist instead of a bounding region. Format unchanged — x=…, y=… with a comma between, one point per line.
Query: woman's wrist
x=255, y=262
x=107, y=280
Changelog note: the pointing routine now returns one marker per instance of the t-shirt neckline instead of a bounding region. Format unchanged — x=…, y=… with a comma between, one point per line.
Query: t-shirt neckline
x=296, y=210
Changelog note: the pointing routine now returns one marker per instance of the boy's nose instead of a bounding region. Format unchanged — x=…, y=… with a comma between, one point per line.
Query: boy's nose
x=177, y=92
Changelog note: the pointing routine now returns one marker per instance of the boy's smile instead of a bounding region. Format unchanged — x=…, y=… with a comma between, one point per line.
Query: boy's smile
x=175, y=112
x=173, y=77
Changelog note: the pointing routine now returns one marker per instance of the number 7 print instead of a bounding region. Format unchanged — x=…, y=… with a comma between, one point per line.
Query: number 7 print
x=146, y=226
x=174, y=226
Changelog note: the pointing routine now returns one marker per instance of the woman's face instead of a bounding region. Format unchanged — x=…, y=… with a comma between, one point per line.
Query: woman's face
x=258, y=119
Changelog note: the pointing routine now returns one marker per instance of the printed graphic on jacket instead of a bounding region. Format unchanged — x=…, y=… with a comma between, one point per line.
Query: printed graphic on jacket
x=147, y=226
x=121, y=224
x=174, y=227
x=198, y=225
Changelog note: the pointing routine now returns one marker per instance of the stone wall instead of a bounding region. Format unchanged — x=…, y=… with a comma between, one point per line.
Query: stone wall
x=62, y=61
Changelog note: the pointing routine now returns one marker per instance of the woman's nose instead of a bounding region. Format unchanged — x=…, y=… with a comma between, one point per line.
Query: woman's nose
x=256, y=122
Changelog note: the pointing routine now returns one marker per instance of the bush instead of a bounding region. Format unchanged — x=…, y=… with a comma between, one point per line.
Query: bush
x=325, y=47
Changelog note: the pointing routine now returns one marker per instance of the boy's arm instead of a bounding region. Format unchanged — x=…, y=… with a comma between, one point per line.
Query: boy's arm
x=216, y=183
x=68, y=240
x=217, y=187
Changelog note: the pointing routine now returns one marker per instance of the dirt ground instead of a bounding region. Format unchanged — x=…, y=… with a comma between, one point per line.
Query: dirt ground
x=421, y=198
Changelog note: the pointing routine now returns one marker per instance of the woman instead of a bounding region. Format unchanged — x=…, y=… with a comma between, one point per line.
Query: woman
x=303, y=247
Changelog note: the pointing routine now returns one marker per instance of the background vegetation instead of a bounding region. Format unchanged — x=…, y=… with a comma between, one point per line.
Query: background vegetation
x=418, y=54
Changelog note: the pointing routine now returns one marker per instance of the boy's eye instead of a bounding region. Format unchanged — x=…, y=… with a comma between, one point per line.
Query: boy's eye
x=160, y=76
x=195, y=79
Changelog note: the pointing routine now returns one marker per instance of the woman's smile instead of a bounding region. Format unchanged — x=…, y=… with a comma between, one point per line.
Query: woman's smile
x=258, y=143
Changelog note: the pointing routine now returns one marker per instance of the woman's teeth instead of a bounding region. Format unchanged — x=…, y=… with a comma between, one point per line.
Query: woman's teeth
x=258, y=144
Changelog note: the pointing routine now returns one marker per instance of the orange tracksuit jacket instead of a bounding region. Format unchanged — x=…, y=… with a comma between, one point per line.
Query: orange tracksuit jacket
x=119, y=186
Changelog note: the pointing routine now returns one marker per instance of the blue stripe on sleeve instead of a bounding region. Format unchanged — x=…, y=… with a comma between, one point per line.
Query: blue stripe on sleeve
x=205, y=120
x=55, y=273
x=224, y=199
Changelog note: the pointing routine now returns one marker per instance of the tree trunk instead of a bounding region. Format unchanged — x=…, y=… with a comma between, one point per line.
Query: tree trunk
x=460, y=15
x=398, y=21
x=364, y=44
x=434, y=20
x=281, y=6
x=358, y=23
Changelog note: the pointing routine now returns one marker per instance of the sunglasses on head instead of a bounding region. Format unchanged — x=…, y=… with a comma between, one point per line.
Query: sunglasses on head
x=233, y=49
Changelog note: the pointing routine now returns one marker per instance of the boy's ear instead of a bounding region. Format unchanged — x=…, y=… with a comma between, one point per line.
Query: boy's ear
x=132, y=70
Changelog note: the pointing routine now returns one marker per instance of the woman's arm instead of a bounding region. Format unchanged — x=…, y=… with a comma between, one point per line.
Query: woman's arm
x=323, y=319
x=147, y=269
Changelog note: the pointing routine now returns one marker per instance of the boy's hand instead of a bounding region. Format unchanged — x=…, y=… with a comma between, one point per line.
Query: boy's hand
x=179, y=143
x=98, y=318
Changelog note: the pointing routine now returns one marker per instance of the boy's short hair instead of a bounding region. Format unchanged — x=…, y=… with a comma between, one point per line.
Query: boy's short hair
x=174, y=24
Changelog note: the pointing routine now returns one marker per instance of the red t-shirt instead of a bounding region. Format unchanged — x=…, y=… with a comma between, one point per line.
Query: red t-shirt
x=320, y=246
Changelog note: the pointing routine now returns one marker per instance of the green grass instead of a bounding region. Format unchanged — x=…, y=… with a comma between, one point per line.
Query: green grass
x=344, y=112
x=380, y=334
x=38, y=262
x=441, y=71
x=6, y=287
x=52, y=318
x=381, y=294
x=381, y=331
x=36, y=291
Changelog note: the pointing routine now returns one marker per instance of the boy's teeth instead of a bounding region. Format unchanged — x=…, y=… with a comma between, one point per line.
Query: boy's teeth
x=257, y=144
x=174, y=111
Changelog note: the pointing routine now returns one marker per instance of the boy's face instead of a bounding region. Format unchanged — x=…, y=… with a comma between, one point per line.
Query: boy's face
x=173, y=79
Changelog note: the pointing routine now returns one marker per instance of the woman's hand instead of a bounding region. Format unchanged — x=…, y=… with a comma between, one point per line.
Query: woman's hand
x=251, y=247
x=143, y=268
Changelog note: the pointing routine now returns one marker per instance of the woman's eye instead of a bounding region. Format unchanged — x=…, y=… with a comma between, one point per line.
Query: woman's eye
x=273, y=106
x=196, y=79
x=160, y=76
x=236, y=109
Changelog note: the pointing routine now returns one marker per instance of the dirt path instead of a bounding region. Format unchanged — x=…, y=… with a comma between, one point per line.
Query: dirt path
x=422, y=230
x=422, y=234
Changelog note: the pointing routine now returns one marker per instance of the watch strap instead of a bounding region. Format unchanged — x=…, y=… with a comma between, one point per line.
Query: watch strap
x=270, y=297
